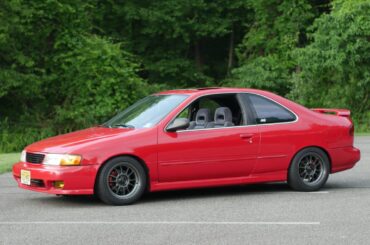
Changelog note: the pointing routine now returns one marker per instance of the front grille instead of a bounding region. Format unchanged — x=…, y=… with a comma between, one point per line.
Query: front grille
x=34, y=158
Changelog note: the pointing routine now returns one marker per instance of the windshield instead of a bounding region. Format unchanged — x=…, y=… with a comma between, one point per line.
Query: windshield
x=146, y=112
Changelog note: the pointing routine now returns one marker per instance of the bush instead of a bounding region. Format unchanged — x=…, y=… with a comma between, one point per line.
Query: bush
x=14, y=137
x=98, y=80
x=334, y=68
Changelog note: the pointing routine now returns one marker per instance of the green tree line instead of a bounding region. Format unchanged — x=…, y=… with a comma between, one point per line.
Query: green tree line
x=70, y=64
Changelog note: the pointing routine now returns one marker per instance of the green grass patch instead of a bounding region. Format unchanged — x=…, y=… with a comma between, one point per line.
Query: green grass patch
x=362, y=134
x=7, y=160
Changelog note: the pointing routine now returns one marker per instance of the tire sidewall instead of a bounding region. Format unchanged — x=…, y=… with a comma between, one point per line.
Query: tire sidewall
x=295, y=180
x=103, y=191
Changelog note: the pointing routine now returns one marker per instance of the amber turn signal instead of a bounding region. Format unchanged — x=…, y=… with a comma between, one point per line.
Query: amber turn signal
x=59, y=184
x=70, y=160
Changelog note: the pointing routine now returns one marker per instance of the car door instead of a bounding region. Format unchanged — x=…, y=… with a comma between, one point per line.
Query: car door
x=209, y=153
x=276, y=124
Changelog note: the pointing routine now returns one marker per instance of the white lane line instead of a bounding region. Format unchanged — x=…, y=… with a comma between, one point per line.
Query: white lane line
x=318, y=192
x=155, y=223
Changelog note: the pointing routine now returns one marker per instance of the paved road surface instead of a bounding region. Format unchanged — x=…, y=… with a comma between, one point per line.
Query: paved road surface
x=258, y=214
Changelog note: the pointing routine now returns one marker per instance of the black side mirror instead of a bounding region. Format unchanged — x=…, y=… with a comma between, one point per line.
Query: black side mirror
x=178, y=124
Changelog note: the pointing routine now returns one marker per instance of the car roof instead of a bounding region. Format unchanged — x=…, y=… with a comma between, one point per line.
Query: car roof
x=211, y=90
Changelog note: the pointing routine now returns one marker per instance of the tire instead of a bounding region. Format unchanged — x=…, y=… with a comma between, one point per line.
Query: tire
x=121, y=181
x=309, y=170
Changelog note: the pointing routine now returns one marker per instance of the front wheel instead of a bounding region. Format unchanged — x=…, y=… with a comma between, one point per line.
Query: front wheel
x=309, y=170
x=121, y=181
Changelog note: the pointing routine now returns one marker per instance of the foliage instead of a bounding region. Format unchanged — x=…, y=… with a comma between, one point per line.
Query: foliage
x=181, y=43
x=335, y=65
x=99, y=79
x=56, y=73
x=14, y=137
x=266, y=49
x=66, y=64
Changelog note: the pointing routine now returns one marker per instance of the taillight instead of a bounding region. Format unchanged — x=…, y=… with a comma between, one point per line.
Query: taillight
x=352, y=129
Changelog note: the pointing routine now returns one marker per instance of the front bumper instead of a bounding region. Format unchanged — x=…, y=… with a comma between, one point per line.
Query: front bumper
x=78, y=180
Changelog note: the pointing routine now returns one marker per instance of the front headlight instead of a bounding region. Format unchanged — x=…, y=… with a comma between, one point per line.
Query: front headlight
x=62, y=160
x=23, y=156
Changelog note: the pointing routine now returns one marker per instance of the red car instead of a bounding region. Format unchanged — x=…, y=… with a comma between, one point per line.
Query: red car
x=193, y=138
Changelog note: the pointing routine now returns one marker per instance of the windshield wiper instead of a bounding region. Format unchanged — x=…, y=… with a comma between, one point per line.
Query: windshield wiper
x=122, y=126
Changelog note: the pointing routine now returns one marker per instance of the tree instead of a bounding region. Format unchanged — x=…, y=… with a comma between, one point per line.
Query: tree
x=181, y=43
x=99, y=79
x=49, y=55
x=334, y=67
x=69, y=64
x=265, y=53
x=56, y=75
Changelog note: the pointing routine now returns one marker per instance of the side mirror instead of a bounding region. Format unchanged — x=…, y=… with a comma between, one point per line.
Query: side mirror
x=178, y=124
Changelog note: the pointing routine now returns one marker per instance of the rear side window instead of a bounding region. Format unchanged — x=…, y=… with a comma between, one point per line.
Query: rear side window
x=270, y=112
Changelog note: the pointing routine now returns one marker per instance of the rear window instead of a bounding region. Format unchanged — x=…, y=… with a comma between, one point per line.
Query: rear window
x=270, y=112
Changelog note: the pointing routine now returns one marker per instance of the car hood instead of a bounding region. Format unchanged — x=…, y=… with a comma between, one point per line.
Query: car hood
x=68, y=143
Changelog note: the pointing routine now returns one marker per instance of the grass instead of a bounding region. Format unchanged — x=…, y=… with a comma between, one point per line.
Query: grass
x=7, y=160
x=362, y=134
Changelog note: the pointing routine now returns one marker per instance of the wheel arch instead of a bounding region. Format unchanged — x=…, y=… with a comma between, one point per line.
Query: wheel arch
x=311, y=146
x=141, y=161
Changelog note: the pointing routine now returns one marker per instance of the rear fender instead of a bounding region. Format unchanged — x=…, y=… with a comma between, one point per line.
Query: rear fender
x=341, y=132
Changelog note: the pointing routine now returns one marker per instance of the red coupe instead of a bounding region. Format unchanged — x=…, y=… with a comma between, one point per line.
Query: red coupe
x=193, y=138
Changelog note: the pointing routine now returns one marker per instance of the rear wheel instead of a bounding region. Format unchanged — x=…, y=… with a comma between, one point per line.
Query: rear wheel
x=309, y=170
x=121, y=181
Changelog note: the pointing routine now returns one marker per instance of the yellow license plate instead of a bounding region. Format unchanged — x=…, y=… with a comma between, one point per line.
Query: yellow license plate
x=25, y=177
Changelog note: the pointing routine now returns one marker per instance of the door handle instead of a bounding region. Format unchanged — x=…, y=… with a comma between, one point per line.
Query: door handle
x=248, y=137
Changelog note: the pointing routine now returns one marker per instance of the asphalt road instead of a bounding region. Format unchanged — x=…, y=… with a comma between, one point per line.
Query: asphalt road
x=258, y=214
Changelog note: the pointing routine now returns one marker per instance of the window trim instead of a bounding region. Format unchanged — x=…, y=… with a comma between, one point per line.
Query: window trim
x=242, y=107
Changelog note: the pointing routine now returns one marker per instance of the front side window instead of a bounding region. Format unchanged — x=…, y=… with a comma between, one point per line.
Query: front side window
x=146, y=112
x=268, y=111
x=213, y=111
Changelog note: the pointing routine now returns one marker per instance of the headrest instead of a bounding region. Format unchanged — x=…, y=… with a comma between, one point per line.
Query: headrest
x=202, y=116
x=222, y=115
